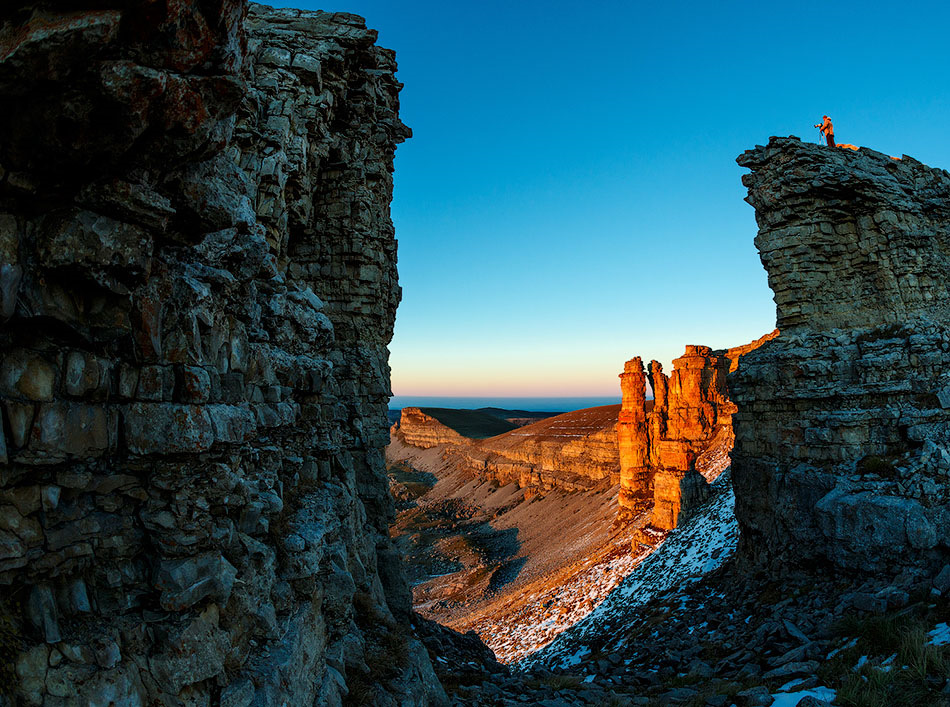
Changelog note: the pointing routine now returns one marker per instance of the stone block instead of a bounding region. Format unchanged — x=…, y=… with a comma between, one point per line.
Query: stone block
x=27, y=375
x=128, y=381
x=42, y=612
x=31, y=668
x=151, y=384
x=10, y=278
x=167, y=428
x=187, y=581
x=90, y=240
x=194, y=385
x=82, y=373
x=62, y=430
x=232, y=387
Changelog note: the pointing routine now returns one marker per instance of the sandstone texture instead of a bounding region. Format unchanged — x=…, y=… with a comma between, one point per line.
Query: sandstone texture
x=842, y=451
x=671, y=447
x=197, y=290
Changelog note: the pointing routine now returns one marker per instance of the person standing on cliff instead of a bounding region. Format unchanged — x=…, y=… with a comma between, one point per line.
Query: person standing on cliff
x=827, y=129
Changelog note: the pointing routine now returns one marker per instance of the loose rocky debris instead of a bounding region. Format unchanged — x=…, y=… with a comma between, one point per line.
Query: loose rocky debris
x=703, y=543
x=731, y=639
x=720, y=634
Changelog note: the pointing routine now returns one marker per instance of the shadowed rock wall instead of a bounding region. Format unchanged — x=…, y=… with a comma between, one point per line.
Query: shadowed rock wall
x=843, y=431
x=197, y=289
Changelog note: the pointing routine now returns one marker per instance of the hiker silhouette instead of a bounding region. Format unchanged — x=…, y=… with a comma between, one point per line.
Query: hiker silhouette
x=827, y=129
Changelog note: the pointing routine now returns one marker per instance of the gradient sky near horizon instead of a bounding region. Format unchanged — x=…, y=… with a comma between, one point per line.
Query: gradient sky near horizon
x=570, y=196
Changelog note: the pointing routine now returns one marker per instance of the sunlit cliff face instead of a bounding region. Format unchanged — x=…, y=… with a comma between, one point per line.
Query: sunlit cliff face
x=674, y=444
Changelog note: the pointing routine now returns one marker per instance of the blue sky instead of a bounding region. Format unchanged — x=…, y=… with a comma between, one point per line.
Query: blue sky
x=570, y=197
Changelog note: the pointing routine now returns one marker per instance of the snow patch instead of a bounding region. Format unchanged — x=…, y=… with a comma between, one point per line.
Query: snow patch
x=791, y=699
x=940, y=636
x=701, y=544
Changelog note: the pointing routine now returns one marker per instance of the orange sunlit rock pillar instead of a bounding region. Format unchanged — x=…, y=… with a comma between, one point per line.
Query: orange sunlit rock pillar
x=636, y=493
x=693, y=396
x=665, y=446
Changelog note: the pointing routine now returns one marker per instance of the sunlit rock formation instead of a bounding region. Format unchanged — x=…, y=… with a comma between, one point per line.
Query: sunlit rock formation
x=572, y=451
x=420, y=429
x=673, y=446
x=842, y=448
x=197, y=289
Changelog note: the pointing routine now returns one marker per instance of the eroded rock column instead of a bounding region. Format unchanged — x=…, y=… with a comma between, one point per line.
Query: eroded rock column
x=673, y=446
x=636, y=476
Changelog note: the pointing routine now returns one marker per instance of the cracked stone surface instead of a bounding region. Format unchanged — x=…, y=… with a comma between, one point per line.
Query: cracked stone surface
x=197, y=291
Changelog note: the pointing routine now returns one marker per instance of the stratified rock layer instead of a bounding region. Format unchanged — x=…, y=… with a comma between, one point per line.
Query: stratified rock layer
x=420, y=428
x=673, y=445
x=572, y=451
x=198, y=286
x=842, y=446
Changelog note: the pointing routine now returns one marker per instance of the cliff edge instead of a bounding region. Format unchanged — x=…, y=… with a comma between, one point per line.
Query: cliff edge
x=842, y=451
x=197, y=290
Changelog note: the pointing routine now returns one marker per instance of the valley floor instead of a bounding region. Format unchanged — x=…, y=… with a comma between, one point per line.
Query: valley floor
x=680, y=626
x=514, y=567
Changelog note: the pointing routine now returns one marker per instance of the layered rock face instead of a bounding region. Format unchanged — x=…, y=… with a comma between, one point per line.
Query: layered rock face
x=422, y=430
x=572, y=451
x=843, y=432
x=197, y=287
x=672, y=446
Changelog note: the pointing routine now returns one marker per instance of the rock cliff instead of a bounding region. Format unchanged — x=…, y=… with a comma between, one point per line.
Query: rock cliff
x=197, y=290
x=842, y=451
x=429, y=427
x=421, y=430
x=671, y=447
x=574, y=450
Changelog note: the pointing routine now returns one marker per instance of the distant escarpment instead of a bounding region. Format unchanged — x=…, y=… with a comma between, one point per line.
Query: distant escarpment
x=428, y=427
x=574, y=450
x=197, y=290
x=421, y=429
x=663, y=452
x=671, y=447
x=842, y=448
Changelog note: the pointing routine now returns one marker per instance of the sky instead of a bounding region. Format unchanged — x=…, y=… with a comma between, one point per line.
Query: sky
x=570, y=197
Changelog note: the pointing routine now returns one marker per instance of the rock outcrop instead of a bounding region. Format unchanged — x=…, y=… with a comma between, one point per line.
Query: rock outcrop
x=197, y=289
x=571, y=451
x=421, y=430
x=842, y=451
x=671, y=447
x=421, y=427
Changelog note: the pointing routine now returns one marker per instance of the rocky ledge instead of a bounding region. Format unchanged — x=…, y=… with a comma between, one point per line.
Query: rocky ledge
x=842, y=451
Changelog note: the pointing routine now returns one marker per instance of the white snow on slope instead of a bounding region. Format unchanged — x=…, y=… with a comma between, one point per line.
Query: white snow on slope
x=791, y=699
x=705, y=540
x=536, y=619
